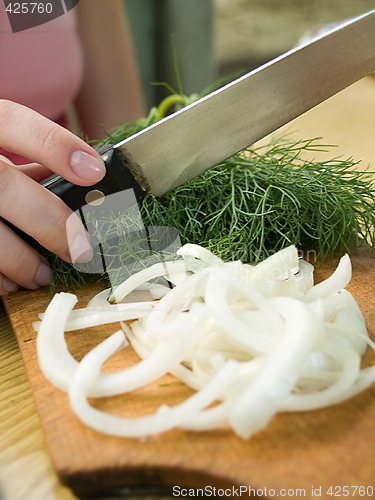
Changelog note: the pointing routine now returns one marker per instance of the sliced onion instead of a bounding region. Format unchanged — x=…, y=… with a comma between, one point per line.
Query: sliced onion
x=251, y=339
x=155, y=271
x=350, y=366
x=102, y=315
x=281, y=368
x=55, y=361
x=254, y=340
x=147, y=425
x=337, y=281
x=279, y=266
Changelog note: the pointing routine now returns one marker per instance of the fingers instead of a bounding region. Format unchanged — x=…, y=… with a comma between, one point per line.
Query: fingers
x=6, y=285
x=25, y=132
x=20, y=264
x=6, y=160
x=34, y=171
x=41, y=214
x=32, y=208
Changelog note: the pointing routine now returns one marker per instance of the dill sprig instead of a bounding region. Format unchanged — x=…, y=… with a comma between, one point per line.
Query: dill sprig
x=250, y=206
x=258, y=202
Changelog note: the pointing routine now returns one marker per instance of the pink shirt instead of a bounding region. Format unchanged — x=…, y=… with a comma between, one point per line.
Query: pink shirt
x=41, y=67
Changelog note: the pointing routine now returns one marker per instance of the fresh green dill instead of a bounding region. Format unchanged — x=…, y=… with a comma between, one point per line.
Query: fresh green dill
x=253, y=204
x=257, y=203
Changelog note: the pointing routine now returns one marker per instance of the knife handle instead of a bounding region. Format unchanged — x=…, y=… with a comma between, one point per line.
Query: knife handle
x=118, y=178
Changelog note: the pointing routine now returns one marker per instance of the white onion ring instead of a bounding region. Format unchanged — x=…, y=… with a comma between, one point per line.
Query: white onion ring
x=160, y=421
x=155, y=271
x=254, y=339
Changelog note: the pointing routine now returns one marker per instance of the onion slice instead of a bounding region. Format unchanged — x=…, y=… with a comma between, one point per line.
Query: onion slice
x=164, y=419
x=55, y=361
x=250, y=340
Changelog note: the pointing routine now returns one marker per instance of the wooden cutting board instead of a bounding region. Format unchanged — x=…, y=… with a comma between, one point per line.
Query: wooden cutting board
x=306, y=453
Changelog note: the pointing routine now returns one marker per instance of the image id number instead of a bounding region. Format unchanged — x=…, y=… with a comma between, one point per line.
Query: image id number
x=29, y=8
x=350, y=491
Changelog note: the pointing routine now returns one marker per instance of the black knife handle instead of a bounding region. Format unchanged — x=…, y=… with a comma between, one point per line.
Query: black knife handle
x=118, y=178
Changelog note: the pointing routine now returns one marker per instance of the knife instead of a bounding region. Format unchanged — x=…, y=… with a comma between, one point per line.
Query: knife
x=205, y=133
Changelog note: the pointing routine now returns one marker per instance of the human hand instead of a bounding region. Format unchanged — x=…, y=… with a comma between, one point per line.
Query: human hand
x=31, y=207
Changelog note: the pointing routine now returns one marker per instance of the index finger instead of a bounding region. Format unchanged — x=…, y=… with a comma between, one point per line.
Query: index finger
x=29, y=134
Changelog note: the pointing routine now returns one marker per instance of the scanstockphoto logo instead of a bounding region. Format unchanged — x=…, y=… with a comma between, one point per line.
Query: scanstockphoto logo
x=25, y=15
x=122, y=244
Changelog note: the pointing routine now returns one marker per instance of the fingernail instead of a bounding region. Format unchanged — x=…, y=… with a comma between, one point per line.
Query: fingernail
x=8, y=286
x=87, y=166
x=43, y=275
x=80, y=250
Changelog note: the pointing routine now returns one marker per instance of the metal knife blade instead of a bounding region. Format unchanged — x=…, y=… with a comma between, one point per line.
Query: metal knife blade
x=230, y=119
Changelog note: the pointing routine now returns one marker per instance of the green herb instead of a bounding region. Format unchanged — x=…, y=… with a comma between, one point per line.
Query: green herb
x=254, y=203
x=262, y=200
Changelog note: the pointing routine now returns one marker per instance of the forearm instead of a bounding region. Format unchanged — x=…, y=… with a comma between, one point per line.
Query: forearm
x=111, y=92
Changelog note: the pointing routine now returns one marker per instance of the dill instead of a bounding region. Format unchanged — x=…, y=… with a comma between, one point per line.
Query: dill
x=257, y=203
x=253, y=204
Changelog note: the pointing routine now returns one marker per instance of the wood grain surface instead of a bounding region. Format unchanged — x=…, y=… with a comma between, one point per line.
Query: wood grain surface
x=306, y=450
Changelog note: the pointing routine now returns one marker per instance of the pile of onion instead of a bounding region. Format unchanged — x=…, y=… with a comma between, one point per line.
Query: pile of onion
x=250, y=340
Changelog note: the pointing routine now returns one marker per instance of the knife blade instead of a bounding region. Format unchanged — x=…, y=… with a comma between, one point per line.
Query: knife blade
x=205, y=133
